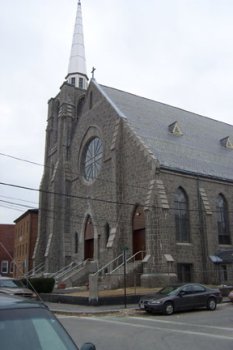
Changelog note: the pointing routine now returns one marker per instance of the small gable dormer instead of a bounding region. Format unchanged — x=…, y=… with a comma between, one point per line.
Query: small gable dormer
x=226, y=142
x=175, y=129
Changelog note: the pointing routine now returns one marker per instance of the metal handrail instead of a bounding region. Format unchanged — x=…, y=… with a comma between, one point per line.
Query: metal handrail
x=71, y=269
x=103, y=268
x=132, y=257
x=64, y=268
x=35, y=270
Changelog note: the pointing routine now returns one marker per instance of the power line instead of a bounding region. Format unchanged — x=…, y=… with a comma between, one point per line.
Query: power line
x=11, y=208
x=17, y=199
x=21, y=159
x=107, y=201
x=18, y=204
x=72, y=172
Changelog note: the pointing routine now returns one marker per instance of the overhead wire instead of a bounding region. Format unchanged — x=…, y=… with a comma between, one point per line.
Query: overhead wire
x=77, y=174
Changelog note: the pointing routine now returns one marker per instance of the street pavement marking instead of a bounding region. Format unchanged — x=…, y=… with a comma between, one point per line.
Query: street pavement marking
x=183, y=323
x=204, y=334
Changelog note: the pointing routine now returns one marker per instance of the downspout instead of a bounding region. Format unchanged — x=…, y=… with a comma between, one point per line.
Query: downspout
x=203, y=237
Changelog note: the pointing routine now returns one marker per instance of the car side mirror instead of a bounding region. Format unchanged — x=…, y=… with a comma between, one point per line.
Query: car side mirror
x=88, y=346
x=182, y=293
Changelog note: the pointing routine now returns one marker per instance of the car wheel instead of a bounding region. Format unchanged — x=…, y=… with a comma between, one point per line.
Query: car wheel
x=168, y=308
x=211, y=304
x=149, y=312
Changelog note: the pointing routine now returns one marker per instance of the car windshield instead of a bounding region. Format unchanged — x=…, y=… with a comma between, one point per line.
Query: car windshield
x=5, y=283
x=32, y=328
x=169, y=290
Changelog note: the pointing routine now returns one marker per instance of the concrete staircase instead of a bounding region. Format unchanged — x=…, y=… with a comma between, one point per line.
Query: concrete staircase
x=75, y=274
x=113, y=278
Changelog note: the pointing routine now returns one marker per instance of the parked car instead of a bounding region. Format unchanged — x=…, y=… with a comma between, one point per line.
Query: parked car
x=14, y=286
x=29, y=325
x=230, y=296
x=181, y=297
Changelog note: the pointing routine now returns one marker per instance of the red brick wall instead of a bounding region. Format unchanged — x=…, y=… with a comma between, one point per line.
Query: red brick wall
x=25, y=238
x=7, y=236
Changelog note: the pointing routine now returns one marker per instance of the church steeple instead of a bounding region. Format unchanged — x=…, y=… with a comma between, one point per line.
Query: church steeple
x=77, y=73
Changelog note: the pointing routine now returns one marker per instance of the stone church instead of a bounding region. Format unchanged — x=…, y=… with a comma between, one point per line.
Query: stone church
x=124, y=173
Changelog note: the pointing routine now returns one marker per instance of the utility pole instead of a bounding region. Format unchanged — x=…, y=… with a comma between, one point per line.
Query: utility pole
x=124, y=257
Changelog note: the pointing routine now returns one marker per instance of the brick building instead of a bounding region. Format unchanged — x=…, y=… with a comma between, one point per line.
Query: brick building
x=125, y=171
x=7, y=236
x=26, y=227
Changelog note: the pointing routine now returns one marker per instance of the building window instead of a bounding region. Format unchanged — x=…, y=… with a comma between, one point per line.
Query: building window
x=73, y=81
x=92, y=158
x=181, y=216
x=184, y=272
x=80, y=83
x=222, y=221
x=224, y=273
x=4, y=266
x=107, y=233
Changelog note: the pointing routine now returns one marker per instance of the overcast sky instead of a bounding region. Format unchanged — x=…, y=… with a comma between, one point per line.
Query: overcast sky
x=178, y=52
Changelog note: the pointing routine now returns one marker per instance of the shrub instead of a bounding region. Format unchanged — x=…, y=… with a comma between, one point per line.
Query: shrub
x=40, y=284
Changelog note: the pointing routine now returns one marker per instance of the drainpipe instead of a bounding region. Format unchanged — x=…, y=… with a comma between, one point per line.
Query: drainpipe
x=202, y=232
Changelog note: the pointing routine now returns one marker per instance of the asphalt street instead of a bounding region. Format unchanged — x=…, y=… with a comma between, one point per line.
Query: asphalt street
x=196, y=330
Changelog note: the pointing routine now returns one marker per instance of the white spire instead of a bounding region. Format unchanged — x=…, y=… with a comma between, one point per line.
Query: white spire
x=77, y=72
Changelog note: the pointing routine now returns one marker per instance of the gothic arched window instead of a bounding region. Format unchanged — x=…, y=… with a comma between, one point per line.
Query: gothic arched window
x=222, y=220
x=181, y=216
x=107, y=233
x=76, y=242
x=92, y=158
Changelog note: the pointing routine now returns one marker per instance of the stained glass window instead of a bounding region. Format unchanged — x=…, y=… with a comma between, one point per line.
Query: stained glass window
x=181, y=216
x=222, y=221
x=92, y=160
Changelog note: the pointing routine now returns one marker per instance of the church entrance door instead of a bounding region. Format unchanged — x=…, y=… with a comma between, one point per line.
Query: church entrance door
x=139, y=236
x=89, y=249
x=89, y=240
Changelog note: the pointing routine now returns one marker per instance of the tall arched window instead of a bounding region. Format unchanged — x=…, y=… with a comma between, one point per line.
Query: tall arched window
x=76, y=242
x=107, y=233
x=222, y=220
x=181, y=216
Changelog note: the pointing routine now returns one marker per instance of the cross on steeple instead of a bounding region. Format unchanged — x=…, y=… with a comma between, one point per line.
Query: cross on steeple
x=93, y=72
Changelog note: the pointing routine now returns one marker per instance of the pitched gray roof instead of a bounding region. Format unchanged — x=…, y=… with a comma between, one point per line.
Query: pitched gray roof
x=197, y=151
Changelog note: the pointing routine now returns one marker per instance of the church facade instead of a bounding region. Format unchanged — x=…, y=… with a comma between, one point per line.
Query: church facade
x=125, y=172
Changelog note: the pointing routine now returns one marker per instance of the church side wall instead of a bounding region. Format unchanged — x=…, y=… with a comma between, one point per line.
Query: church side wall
x=203, y=226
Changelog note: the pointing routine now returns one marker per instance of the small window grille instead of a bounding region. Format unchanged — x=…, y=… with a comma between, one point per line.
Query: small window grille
x=73, y=81
x=80, y=83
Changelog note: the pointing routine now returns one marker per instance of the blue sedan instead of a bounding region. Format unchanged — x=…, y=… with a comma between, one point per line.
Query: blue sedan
x=181, y=297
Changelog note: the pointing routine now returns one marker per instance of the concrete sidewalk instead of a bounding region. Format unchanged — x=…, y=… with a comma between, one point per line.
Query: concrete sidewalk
x=100, y=310
x=87, y=310
x=76, y=302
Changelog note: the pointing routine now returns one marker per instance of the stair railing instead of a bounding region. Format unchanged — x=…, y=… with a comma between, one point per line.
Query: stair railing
x=68, y=269
x=37, y=269
x=140, y=253
x=106, y=269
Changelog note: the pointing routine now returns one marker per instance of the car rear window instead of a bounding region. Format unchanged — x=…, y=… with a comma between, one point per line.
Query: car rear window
x=31, y=329
x=11, y=283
